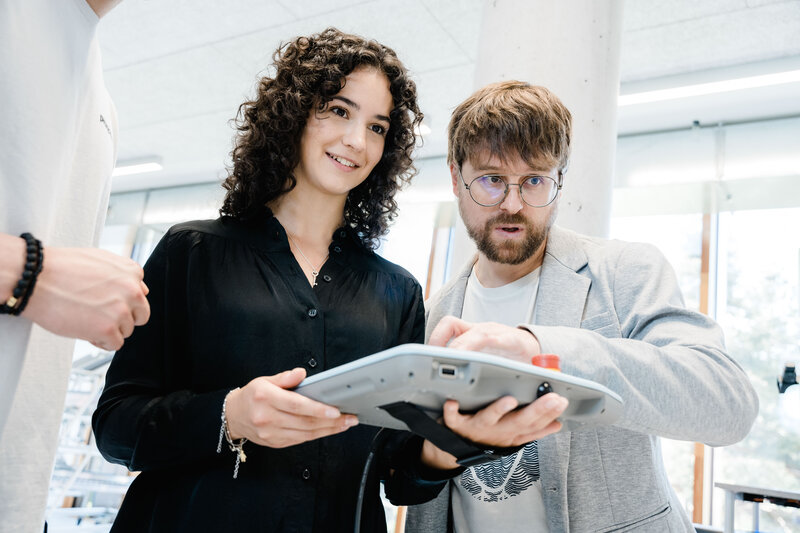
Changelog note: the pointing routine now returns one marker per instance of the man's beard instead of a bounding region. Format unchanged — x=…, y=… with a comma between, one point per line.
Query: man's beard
x=509, y=252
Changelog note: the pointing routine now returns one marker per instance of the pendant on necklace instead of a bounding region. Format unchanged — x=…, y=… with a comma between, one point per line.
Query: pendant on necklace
x=314, y=271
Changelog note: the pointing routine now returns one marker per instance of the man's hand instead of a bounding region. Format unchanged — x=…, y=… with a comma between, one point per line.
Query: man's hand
x=500, y=424
x=89, y=294
x=264, y=412
x=488, y=337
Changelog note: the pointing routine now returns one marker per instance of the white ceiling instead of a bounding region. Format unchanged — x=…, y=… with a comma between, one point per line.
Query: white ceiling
x=178, y=69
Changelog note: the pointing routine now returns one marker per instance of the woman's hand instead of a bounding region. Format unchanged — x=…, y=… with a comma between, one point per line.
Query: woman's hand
x=265, y=412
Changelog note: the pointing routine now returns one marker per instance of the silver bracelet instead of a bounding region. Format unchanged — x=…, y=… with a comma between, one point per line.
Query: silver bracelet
x=235, y=446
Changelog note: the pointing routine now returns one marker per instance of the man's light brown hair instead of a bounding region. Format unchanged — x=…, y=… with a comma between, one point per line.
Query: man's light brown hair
x=509, y=119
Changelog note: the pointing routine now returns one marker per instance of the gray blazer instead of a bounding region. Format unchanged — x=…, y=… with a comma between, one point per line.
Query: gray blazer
x=614, y=313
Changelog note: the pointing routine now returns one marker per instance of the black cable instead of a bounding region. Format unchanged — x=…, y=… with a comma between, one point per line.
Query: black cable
x=364, y=476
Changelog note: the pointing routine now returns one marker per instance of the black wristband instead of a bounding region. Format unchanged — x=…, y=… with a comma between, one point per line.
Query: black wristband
x=34, y=259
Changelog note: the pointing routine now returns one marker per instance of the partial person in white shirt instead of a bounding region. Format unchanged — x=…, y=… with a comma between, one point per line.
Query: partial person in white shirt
x=57, y=150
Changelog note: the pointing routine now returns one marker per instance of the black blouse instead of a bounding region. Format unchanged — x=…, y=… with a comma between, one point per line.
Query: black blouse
x=229, y=303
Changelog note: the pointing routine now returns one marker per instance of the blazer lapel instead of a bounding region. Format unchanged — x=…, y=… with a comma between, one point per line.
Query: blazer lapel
x=560, y=302
x=562, y=291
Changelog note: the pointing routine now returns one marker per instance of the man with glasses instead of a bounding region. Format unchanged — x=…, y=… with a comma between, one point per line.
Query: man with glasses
x=612, y=311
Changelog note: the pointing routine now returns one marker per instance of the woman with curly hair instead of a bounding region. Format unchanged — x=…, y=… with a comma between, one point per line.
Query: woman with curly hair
x=283, y=285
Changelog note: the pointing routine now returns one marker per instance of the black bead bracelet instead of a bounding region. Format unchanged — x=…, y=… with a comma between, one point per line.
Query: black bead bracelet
x=34, y=259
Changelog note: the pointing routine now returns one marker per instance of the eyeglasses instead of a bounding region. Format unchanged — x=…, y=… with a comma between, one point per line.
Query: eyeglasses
x=491, y=189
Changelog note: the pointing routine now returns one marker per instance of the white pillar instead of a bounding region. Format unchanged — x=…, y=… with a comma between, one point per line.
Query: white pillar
x=572, y=48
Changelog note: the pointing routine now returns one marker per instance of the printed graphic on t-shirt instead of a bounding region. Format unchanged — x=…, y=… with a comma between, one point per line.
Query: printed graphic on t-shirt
x=504, y=478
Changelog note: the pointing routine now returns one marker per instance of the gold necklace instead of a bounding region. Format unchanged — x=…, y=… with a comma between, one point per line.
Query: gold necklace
x=314, y=270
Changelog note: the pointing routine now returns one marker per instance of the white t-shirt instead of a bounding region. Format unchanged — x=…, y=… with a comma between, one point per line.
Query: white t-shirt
x=58, y=132
x=506, y=494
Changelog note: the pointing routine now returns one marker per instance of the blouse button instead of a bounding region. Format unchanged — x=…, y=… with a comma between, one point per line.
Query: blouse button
x=312, y=363
x=306, y=474
x=327, y=278
x=312, y=312
x=337, y=249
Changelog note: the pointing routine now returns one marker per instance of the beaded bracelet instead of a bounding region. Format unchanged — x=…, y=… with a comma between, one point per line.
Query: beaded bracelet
x=235, y=446
x=34, y=260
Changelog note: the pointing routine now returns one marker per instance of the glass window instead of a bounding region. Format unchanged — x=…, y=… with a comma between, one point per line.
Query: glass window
x=759, y=310
x=679, y=237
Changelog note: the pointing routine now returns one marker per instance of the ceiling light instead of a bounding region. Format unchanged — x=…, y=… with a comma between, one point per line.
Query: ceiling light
x=709, y=88
x=126, y=169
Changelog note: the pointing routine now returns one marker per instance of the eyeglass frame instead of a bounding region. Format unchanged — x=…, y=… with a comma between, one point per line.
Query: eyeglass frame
x=559, y=183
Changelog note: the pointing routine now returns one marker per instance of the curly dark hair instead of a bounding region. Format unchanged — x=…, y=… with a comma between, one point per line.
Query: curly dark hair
x=309, y=71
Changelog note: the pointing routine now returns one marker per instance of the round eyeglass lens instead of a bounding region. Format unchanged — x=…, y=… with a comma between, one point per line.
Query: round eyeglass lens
x=538, y=191
x=488, y=190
